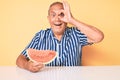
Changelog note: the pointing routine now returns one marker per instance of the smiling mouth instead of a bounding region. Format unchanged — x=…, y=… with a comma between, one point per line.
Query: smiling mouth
x=58, y=24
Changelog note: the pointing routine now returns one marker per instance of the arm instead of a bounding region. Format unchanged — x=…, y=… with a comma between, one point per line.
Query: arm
x=22, y=62
x=94, y=35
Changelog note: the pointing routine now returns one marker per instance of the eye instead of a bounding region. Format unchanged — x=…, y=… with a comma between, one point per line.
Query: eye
x=52, y=15
x=62, y=14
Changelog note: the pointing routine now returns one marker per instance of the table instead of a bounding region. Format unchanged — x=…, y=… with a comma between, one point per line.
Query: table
x=62, y=73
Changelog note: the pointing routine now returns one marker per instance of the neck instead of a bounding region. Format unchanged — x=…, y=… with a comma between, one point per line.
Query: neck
x=59, y=37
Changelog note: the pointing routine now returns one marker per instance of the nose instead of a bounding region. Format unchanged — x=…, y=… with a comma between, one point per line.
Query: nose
x=57, y=18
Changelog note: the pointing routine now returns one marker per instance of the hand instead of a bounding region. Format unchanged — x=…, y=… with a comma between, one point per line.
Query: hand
x=67, y=16
x=34, y=66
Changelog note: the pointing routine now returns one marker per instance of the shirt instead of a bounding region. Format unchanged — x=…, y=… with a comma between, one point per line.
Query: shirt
x=69, y=48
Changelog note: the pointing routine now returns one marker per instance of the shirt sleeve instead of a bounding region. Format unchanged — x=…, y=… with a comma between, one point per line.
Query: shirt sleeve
x=82, y=38
x=34, y=43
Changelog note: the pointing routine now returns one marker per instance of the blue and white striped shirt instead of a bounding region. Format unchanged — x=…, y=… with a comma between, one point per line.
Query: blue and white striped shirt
x=69, y=49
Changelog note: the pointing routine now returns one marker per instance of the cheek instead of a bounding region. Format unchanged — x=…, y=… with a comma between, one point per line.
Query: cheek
x=51, y=18
x=51, y=21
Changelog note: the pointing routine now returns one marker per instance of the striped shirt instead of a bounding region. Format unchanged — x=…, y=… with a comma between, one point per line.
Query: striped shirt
x=69, y=48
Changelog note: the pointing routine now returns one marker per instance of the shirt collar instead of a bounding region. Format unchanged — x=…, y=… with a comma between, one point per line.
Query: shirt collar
x=66, y=33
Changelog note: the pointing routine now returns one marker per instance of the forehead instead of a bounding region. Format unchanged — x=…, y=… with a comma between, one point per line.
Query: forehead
x=56, y=7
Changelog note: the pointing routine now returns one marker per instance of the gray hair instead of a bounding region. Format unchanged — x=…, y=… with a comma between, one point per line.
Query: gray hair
x=54, y=3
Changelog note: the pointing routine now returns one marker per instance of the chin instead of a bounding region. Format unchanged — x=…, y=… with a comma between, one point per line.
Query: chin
x=59, y=32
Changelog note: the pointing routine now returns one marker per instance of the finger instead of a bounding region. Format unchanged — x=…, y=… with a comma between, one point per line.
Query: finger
x=35, y=69
x=41, y=65
x=37, y=64
x=61, y=13
x=65, y=3
x=38, y=67
x=64, y=6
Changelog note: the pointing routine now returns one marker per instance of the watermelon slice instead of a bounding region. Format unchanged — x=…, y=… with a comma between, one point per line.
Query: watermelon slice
x=43, y=56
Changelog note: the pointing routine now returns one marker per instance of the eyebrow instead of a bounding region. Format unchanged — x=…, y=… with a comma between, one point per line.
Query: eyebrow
x=51, y=12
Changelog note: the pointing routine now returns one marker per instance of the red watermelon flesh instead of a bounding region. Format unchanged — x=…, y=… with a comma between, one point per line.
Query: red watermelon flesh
x=43, y=56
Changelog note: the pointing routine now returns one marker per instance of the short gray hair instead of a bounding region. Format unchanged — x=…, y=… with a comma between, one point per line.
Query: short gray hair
x=54, y=3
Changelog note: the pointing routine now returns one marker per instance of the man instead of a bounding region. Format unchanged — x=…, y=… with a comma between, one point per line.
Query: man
x=67, y=41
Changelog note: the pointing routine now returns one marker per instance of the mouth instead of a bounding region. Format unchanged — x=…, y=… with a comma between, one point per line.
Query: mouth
x=59, y=24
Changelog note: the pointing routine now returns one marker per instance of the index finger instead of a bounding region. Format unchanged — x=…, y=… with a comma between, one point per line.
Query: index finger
x=37, y=64
x=65, y=5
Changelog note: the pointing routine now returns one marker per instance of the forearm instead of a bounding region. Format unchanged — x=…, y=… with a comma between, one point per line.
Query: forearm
x=93, y=34
x=21, y=61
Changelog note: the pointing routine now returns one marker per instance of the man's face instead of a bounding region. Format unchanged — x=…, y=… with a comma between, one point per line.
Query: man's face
x=54, y=16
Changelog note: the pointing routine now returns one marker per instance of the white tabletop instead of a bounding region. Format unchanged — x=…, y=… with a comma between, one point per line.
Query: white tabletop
x=62, y=73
